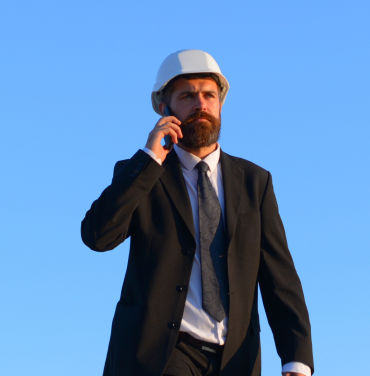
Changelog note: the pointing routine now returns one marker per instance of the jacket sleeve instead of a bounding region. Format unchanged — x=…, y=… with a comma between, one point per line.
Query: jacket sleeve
x=107, y=223
x=281, y=288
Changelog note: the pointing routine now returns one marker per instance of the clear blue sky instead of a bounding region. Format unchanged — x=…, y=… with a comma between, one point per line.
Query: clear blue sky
x=75, y=84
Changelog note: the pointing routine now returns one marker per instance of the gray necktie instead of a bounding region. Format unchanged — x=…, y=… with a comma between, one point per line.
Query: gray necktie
x=212, y=248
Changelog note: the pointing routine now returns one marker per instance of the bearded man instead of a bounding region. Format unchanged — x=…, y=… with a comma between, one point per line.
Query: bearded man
x=205, y=233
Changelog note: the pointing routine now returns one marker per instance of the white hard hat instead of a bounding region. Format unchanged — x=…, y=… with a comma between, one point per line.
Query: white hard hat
x=183, y=62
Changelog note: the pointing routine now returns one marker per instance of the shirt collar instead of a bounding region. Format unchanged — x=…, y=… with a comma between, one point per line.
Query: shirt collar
x=189, y=161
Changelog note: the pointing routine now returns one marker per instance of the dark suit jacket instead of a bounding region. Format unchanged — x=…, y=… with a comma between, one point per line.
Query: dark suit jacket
x=150, y=204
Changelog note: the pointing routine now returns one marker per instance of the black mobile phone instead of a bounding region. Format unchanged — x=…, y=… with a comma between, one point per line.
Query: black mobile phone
x=167, y=139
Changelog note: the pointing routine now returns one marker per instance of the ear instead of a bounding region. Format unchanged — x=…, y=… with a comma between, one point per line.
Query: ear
x=220, y=107
x=162, y=106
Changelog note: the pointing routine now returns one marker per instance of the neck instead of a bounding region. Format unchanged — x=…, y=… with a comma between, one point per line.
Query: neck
x=201, y=152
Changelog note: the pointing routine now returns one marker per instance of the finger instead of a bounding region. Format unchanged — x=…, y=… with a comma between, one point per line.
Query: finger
x=164, y=128
x=168, y=119
x=173, y=135
x=172, y=119
x=176, y=128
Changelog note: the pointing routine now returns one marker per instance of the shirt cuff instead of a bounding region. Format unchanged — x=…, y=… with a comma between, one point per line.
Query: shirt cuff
x=297, y=367
x=154, y=156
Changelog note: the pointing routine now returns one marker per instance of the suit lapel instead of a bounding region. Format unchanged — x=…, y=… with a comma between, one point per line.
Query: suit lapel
x=232, y=177
x=174, y=184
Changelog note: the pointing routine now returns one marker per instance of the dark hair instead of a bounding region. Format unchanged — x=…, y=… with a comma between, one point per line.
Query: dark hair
x=168, y=89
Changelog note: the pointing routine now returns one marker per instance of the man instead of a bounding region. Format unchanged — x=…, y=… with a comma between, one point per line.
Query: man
x=205, y=232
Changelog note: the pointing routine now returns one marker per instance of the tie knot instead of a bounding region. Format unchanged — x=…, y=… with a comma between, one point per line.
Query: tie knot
x=202, y=166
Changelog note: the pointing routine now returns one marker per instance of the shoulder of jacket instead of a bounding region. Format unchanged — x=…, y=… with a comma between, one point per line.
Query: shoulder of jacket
x=248, y=166
x=118, y=166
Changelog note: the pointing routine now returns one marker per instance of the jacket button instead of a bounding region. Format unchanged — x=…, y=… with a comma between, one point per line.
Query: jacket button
x=133, y=175
x=188, y=252
x=136, y=171
x=141, y=163
x=174, y=325
x=182, y=288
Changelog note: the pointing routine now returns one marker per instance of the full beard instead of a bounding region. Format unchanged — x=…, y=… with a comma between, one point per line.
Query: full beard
x=198, y=135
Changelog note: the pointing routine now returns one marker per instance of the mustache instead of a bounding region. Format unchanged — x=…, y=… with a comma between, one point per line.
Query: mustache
x=199, y=115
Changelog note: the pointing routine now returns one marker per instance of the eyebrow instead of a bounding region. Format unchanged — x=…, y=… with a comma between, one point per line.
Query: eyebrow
x=193, y=91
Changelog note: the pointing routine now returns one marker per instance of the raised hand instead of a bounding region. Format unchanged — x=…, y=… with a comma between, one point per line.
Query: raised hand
x=167, y=125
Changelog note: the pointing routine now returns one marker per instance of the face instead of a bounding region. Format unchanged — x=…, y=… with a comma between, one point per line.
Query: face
x=197, y=105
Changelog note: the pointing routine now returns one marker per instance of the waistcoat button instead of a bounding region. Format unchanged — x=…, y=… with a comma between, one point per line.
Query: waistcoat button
x=182, y=288
x=174, y=325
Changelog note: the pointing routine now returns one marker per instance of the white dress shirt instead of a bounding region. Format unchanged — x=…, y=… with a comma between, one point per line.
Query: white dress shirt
x=195, y=321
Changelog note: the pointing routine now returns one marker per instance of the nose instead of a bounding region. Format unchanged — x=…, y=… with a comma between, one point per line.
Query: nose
x=199, y=103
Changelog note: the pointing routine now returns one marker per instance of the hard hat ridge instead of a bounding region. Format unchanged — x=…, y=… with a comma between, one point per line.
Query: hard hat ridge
x=184, y=62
